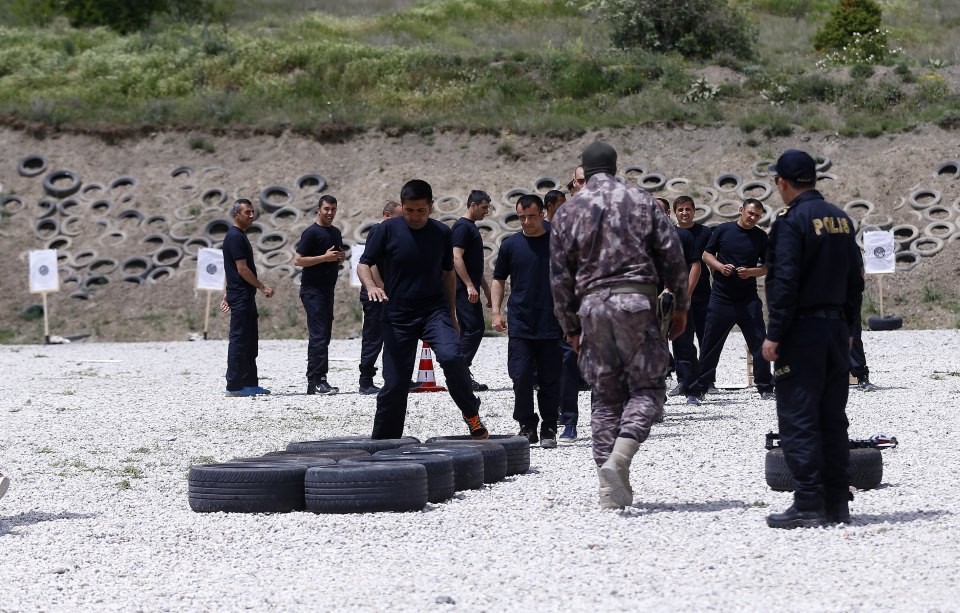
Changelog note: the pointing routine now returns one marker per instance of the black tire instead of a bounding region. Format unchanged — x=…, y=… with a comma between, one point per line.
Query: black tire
x=246, y=487
x=305, y=460
x=332, y=454
x=366, y=488
x=517, y=448
x=652, y=181
x=216, y=230
x=467, y=462
x=887, y=322
x=271, y=241
x=316, y=183
x=137, y=266
x=866, y=469
x=440, y=481
x=182, y=171
x=271, y=207
x=494, y=456
x=167, y=255
x=32, y=165
x=352, y=442
x=68, y=207
x=545, y=184
x=728, y=182
x=215, y=196
x=102, y=266
x=62, y=191
x=12, y=204
x=160, y=273
x=951, y=168
x=46, y=229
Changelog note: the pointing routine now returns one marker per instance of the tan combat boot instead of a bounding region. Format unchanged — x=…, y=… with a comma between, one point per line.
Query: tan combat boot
x=616, y=470
x=606, y=497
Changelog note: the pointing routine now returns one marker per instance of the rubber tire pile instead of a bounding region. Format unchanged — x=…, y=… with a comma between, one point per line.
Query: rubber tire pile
x=356, y=475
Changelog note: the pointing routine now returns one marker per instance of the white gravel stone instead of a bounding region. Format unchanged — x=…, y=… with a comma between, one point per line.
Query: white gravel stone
x=98, y=438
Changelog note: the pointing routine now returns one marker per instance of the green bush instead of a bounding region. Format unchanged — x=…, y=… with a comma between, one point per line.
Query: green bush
x=692, y=28
x=853, y=28
x=122, y=16
x=861, y=72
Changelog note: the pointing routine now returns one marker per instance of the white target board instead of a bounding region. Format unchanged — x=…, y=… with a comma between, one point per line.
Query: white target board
x=878, y=252
x=44, y=276
x=210, y=274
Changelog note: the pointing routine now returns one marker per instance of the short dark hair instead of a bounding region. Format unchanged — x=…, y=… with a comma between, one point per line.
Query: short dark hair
x=477, y=196
x=754, y=202
x=552, y=196
x=570, y=186
x=528, y=200
x=416, y=189
x=390, y=206
x=683, y=200
x=326, y=198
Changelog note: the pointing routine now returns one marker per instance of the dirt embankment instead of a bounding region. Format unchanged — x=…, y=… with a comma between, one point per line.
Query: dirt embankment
x=166, y=216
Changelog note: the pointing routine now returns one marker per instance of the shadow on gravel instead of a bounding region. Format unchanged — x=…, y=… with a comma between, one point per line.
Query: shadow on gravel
x=8, y=524
x=897, y=518
x=696, y=417
x=709, y=506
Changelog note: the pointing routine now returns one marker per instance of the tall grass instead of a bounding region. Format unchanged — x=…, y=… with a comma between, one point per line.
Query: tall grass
x=526, y=65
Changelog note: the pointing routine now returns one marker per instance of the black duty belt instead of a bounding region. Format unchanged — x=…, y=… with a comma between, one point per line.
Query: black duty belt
x=821, y=314
x=647, y=289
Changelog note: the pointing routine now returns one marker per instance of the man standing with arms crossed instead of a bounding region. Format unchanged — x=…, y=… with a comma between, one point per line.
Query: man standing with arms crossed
x=319, y=252
x=814, y=290
x=468, y=262
x=532, y=328
x=608, y=248
x=240, y=301
x=414, y=255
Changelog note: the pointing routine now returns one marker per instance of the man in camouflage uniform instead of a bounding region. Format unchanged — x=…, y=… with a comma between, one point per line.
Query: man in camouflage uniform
x=607, y=253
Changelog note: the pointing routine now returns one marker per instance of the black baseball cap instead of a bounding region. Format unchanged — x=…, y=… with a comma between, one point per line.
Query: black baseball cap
x=797, y=166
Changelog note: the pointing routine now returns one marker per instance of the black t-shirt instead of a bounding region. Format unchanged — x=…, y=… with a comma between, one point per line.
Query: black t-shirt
x=732, y=244
x=363, y=288
x=411, y=263
x=701, y=235
x=526, y=261
x=236, y=246
x=466, y=236
x=317, y=240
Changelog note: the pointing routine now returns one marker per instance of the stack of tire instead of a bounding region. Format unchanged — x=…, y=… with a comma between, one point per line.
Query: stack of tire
x=356, y=475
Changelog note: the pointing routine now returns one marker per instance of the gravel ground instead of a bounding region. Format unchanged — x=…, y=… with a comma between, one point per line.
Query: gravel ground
x=97, y=440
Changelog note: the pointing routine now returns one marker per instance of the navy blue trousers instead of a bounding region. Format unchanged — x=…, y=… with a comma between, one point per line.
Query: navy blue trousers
x=858, y=359
x=812, y=388
x=399, y=356
x=684, y=351
x=472, y=325
x=540, y=359
x=569, y=385
x=318, y=304
x=372, y=337
x=243, y=347
x=721, y=318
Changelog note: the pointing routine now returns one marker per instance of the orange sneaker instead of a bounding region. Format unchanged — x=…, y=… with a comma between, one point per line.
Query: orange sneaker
x=477, y=430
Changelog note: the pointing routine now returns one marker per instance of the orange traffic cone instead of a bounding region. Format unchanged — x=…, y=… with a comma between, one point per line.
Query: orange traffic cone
x=425, y=376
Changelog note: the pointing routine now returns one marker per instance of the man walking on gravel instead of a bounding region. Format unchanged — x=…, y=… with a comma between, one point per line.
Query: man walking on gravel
x=372, y=335
x=414, y=255
x=814, y=289
x=320, y=253
x=609, y=248
x=468, y=262
x=533, y=349
x=240, y=301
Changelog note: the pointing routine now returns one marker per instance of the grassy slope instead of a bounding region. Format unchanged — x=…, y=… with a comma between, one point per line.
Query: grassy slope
x=525, y=65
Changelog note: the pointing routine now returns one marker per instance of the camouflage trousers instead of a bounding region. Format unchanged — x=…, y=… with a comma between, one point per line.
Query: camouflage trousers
x=623, y=357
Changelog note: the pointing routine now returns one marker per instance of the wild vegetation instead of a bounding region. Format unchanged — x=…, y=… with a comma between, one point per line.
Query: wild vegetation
x=482, y=65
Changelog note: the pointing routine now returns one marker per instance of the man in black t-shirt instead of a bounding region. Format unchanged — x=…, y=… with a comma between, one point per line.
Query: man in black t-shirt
x=319, y=252
x=533, y=348
x=736, y=253
x=468, y=262
x=371, y=341
x=694, y=239
x=414, y=255
x=240, y=301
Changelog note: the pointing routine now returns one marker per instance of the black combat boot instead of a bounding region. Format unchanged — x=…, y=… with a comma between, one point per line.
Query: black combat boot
x=795, y=518
x=838, y=511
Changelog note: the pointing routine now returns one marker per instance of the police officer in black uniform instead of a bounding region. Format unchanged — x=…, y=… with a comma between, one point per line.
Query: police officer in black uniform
x=814, y=289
